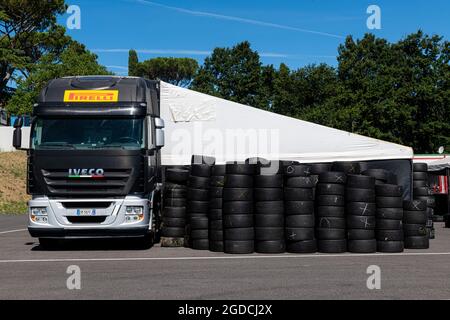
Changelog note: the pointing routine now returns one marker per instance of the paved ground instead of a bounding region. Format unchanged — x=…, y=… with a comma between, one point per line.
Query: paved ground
x=112, y=271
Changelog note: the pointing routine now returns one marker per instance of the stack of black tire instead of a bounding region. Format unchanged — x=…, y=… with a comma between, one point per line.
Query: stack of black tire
x=215, y=208
x=414, y=224
x=389, y=216
x=330, y=212
x=198, y=205
x=421, y=191
x=237, y=208
x=299, y=209
x=360, y=214
x=381, y=176
x=174, y=212
x=316, y=170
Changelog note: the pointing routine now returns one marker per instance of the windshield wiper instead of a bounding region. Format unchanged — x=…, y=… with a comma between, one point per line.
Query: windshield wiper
x=111, y=145
x=56, y=145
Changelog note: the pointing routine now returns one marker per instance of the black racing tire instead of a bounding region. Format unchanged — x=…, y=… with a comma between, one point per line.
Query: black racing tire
x=216, y=235
x=359, y=195
x=217, y=181
x=270, y=246
x=175, y=193
x=218, y=170
x=430, y=200
x=269, y=207
x=378, y=174
x=332, y=246
x=269, y=169
x=390, y=213
x=198, y=222
x=346, y=167
x=415, y=217
x=360, y=234
x=299, y=234
x=216, y=246
x=299, y=170
x=360, y=182
x=240, y=168
x=238, y=181
x=201, y=159
x=298, y=207
x=172, y=232
x=330, y=189
x=389, y=202
x=238, y=221
x=274, y=181
x=388, y=190
x=415, y=205
x=174, y=222
x=318, y=168
x=238, y=247
x=238, y=194
x=384, y=224
x=198, y=182
x=300, y=221
x=330, y=211
x=269, y=234
x=268, y=194
x=330, y=223
x=422, y=191
x=197, y=206
x=298, y=194
x=201, y=170
x=414, y=230
x=420, y=176
x=171, y=186
x=421, y=242
x=389, y=235
x=269, y=220
x=174, y=212
x=305, y=246
x=177, y=175
x=327, y=200
x=200, y=244
x=333, y=177
x=215, y=203
x=330, y=234
x=175, y=202
x=197, y=194
x=361, y=222
x=420, y=167
x=199, y=234
x=360, y=209
x=240, y=234
x=215, y=214
x=419, y=183
x=215, y=225
x=215, y=192
x=237, y=207
x=362, y=246
x=390, y=246
x=299, y=182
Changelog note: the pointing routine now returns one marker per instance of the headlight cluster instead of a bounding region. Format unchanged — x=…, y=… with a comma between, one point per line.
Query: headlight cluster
x=39, y=214
x=134, y=213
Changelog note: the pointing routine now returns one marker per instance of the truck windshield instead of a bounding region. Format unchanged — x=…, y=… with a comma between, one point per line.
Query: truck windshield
x=79, y=133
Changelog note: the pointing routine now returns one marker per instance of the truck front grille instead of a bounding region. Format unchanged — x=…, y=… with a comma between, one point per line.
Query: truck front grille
x=87, y=219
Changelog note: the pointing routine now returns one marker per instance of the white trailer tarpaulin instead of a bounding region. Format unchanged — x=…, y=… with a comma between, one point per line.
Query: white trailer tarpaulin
x=197, y=123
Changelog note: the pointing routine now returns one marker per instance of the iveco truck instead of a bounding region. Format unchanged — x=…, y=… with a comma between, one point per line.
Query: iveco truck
x=94, y=159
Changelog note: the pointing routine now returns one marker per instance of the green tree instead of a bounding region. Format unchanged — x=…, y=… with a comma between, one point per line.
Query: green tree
x=74, y=60
x=177, y=71
x=28, y=30
x=133, y=63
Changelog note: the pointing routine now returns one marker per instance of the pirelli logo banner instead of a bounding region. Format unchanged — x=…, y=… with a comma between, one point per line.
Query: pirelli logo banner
x=98, y=96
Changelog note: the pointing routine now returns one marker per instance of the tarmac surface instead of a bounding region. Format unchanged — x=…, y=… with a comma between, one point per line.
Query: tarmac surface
x=114, y=270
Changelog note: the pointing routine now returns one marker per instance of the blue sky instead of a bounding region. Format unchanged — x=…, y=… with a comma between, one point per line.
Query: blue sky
x=294, y=32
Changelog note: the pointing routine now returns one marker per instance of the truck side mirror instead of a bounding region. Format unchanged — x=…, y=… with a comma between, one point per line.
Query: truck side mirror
x=159, y=134
x=17, y=135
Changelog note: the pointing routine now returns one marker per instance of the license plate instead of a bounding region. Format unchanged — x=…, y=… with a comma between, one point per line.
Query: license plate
x=85, y=212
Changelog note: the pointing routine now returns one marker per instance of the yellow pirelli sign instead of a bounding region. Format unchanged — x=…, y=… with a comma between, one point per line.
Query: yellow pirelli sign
x=91, y=96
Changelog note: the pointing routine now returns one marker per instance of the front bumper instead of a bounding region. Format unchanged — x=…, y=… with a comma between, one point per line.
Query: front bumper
x=61, y=213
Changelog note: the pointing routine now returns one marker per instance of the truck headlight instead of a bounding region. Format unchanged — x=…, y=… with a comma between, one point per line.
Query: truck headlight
x=39, y=214
x=134, y=213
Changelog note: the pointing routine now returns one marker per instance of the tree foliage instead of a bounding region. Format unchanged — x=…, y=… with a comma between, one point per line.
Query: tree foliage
x=133, y=63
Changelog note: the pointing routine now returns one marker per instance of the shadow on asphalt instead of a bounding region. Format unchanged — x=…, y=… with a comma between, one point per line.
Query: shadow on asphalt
x=90, y=245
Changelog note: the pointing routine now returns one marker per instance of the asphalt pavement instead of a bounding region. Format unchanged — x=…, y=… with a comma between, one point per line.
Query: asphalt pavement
x=116, y=270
